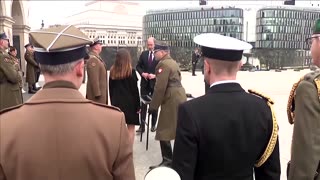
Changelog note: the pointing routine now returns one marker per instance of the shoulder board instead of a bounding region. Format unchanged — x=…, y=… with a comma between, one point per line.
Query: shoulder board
x=274, y=135
x=10, y=108
x=312, y=75
x=107, y=106
x=261, y=95
x=290, y=105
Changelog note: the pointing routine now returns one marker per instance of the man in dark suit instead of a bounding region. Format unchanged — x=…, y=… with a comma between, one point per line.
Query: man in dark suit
x=227, y=133
x=194, y=60
x=146, y=67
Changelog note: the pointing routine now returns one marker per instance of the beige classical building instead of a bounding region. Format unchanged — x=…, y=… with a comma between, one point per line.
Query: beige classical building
x=116, y=23
x=14, y=22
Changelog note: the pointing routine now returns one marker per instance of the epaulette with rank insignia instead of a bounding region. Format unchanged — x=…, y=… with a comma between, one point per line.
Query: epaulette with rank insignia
x=107, y=106
x=274, y=136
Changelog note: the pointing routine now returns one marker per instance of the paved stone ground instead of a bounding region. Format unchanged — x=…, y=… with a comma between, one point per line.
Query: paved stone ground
x=277, y=85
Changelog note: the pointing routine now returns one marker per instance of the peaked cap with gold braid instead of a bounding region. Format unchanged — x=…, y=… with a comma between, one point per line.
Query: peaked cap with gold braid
x=274, y=135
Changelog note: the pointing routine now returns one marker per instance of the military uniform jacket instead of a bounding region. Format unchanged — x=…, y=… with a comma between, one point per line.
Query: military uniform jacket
x=10, y=92
x=32, y=67
x=15, y=62
x=221, y=135
x=305, y=155
x=97, y=85
x=168, y=93
x=58, y=134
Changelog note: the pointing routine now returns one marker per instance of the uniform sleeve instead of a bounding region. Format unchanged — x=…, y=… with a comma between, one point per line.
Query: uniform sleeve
x=2, y=175
x=271, y=169
x=186, y=143
x=305, y=153
x=31, y=60
x=162, y=78
x=93, y=76
x=9, y=71
x=123, y=168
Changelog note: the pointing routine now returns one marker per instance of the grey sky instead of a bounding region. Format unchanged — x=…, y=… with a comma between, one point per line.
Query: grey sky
x=54, y=12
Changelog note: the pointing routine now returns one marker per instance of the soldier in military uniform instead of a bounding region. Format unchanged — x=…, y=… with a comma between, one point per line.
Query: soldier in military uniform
x=16, y=63
x=304, y=113
x=168, y=93
x=227, y=133
x=32, y=66
x=10, y=92
x=58, y=134
x=97, y=84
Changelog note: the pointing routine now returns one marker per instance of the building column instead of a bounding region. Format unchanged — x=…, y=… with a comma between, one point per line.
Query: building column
x=6, y=26
x=21, y=32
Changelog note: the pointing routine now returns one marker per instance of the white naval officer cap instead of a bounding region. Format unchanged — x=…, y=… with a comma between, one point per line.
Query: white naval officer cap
x=161, y=173
x=219, y=47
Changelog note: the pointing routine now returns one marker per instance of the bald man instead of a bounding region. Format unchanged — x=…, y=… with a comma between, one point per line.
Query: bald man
x=146, y=67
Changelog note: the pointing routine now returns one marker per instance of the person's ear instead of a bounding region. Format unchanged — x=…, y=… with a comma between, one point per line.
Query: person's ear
x=79, y=68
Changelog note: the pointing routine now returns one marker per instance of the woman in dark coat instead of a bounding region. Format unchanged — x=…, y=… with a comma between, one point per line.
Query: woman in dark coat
x=124, y=91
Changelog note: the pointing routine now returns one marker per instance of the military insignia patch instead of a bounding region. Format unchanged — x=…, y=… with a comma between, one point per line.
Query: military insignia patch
x=93, y=64
x=160, y=70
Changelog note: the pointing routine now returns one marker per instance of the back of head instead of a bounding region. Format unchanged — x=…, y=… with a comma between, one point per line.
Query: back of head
x=122, y=67
x=222, y=54
x=12, y=49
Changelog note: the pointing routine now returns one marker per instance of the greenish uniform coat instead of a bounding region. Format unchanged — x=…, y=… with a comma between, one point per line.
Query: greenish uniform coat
x=32, y=66
x=97, y=85
x=10, y=92
x=168, y=93
x=305, y=155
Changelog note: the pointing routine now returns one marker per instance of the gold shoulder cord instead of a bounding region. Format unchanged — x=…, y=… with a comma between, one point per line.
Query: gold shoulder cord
x=290, y=112
x=317, y=82
x=274, y=136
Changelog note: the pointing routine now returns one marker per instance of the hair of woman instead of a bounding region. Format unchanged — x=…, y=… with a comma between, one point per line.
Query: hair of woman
x=11, y=49
x=122, y=67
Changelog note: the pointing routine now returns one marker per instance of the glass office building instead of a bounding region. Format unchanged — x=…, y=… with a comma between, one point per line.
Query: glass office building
x=282, y=31
x=179, y=26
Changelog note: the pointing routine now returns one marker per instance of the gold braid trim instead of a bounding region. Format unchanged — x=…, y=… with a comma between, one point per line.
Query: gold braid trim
x=274, y=135
x=317, y=82
x=290, y=111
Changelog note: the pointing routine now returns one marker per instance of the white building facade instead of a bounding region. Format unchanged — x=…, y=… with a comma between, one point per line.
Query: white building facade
x=14, y=21
x=115, y=23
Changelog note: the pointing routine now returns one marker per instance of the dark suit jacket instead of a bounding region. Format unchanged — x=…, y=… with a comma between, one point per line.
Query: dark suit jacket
x=222, y=134
x=143, y=66
x=195, y=57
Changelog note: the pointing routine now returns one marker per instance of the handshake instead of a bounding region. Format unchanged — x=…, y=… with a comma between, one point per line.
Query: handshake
x=148, y=76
